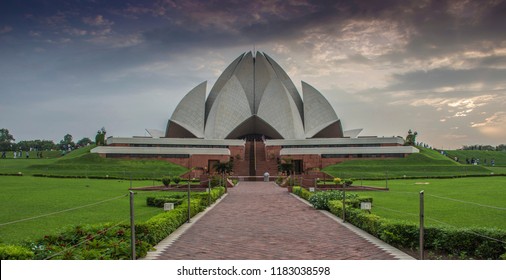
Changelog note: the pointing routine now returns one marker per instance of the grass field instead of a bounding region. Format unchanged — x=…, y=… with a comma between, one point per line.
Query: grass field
x=24, y=198
x=29, y=197
x=461, y=202
x=427, y=163
x=82, y=163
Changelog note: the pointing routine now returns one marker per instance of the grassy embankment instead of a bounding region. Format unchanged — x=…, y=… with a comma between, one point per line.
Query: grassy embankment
x=427, y=163
x=83, y=163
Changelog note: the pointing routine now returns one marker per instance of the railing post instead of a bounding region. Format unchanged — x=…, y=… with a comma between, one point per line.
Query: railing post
x=209, y=192
x=132, y=225
x=422, y=216
x=386, y=174
x=189, y=205
x=344, y=203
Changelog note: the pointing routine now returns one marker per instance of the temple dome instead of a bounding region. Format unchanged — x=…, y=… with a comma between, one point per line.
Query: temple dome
x=254, y=95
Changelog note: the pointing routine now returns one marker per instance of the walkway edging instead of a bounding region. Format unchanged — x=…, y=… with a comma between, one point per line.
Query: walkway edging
x=398, y=254
x=165, y=243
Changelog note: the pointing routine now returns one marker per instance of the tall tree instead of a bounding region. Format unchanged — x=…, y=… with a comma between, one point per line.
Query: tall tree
x=100, y=138
x=411, y=138
x=6, y=140
x=67, y=142
x=84, y=142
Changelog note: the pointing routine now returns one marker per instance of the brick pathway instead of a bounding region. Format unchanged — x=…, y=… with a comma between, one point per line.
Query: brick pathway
x=261, y=221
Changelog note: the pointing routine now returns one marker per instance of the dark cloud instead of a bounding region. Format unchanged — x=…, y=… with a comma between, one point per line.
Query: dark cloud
x=382, y=51
x=438, y=78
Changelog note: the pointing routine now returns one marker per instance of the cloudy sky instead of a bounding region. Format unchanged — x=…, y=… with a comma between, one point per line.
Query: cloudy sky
x=437, y=67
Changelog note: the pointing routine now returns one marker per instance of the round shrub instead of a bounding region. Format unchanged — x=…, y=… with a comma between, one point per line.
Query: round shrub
x=166, y=181
x=15, y=252
x=176, y=179
x=320, y=200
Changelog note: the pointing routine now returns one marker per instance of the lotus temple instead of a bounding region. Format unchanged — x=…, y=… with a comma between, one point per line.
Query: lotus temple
x=255, y=116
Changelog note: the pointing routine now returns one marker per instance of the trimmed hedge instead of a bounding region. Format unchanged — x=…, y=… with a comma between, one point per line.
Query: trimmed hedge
x=89, y=242
x=109, y=241
x=454, y=242
x=101, y=177
x=160, y=226
x=302, y=192
x=14, y=252
x=320, y=200
x=159, y=201
x=11, y=174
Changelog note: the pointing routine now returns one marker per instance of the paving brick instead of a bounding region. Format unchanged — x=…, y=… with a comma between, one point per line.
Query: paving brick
x=261, y=221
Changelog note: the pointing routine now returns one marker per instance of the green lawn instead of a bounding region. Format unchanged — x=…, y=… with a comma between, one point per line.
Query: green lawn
x=427, y=163
x=82, y=163
x=27, y=197
x=441, y=205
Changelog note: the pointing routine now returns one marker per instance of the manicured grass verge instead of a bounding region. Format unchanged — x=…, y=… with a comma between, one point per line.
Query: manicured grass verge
x=111, y=241
x=463, y=243
x=460, y=202
x=394, y=217
x=31, y=200
x=426, y=164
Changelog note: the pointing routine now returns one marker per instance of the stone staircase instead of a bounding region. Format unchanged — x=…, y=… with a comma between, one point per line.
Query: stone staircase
x=255, y=162
x=263, y=164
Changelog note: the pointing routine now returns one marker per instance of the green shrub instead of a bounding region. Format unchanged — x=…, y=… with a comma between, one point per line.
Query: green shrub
x=102, y=241
x=176, y=179
x=279, y=180
x=215, y=181
x=166, y=181
x=356, y=201
x=302, y=192
x=320, y=200
x=215, y=194
x=14, y=252
x=160, y=226
x=348, y=182
x=160, y=201
x=453, y=242
x=111, y=241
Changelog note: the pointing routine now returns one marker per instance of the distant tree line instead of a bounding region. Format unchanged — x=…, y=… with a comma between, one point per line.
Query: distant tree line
x=7, y=143
x=501, y=147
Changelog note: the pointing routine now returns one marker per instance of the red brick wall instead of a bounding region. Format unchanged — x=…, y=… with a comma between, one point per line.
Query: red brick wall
x=237, y=151
x=272, y=152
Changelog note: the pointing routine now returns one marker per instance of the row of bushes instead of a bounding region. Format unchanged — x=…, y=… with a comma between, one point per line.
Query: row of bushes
x=432, y=177
x=110, y=241
x=11, y=174
x=101, y=177
x=160, y=201
x=320, y=200
x=452, y=242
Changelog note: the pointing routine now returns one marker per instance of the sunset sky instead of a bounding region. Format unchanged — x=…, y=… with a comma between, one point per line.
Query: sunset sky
x=436, y=67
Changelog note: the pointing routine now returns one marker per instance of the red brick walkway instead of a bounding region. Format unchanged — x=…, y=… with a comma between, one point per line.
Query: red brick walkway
x=261, y=221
